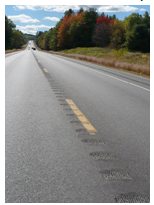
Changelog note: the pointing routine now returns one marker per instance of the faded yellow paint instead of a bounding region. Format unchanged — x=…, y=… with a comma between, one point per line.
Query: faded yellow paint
x=45, y=70
x=85, y=122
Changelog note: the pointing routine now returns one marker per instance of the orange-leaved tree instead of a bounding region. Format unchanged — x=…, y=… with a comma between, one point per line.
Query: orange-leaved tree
x=103, y=31
x=68, y=30
x=63, y=36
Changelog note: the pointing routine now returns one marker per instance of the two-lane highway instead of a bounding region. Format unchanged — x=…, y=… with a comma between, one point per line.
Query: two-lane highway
x=75, y=132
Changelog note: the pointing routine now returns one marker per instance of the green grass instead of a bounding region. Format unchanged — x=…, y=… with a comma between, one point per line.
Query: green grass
x=90, y=51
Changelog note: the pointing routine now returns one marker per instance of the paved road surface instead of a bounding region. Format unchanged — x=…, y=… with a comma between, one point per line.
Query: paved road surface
x=75, y=131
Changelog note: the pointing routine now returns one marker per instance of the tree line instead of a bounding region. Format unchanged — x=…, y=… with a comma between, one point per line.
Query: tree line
x=89, y=29
x=15, y=38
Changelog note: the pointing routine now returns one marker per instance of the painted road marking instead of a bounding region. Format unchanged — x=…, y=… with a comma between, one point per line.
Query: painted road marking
x=101, y=72
x=85, y=122
x=45, y=70
x=119, y=79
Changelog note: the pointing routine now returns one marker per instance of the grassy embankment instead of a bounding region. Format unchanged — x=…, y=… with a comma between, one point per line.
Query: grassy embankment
x=14, y=50
x=135, y=62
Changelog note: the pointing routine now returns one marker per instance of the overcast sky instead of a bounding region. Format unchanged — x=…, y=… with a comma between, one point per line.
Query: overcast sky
x=32, y=18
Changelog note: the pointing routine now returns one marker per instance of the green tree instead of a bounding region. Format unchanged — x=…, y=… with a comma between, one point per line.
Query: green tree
x=68, y=12
x=138, y=32
x=74, y=30
x=81, y=10
x=53, y=40
x=9, y=26
x=146, y=19
x=132, y=20
x=18, y=39
x=86, y=28
x=28, y=37
x=112, y=17
x=138, y=39
x=38, y=34
x=47, y=36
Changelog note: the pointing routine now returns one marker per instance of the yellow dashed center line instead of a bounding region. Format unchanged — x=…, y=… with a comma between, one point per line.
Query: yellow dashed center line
x=85, y=122
x=45, y=70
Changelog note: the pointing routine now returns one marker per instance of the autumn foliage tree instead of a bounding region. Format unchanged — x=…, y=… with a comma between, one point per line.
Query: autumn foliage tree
x=63, y=35
x=104, y=19
x=103, y=31
x=68, y=31
x=118, y=34
x=88, y=29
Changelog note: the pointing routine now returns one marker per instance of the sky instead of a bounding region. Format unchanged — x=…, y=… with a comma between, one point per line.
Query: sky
x=32, y=18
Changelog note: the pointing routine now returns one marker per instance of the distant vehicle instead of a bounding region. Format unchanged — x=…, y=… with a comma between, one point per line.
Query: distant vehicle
x=33, y=48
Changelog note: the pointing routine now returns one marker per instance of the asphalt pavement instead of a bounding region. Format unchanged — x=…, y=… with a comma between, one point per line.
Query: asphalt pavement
x=76, y=132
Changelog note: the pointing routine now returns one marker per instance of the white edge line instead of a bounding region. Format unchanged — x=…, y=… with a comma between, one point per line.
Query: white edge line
x=120, y=79
x=12, y=55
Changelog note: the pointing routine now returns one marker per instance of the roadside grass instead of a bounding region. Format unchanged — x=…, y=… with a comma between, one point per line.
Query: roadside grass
x=122, y=59
x=14, y=50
